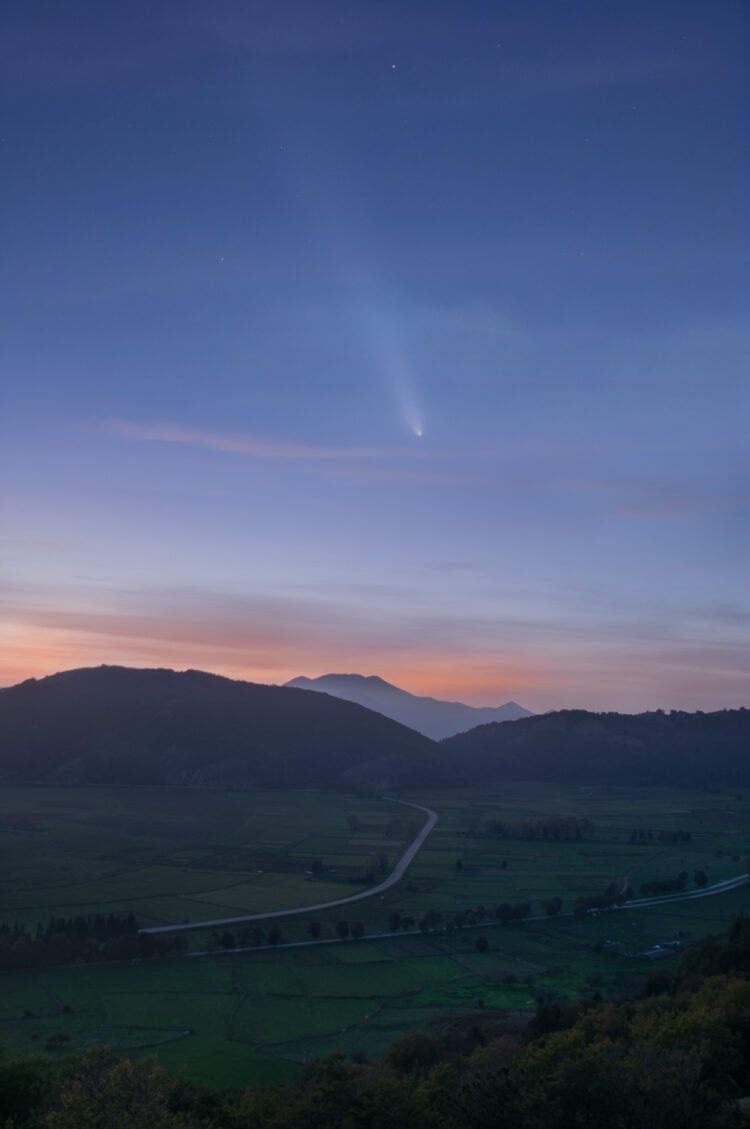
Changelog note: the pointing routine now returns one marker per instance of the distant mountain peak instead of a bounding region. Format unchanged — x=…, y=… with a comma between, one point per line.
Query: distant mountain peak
x=431, y=716
x=367, y=679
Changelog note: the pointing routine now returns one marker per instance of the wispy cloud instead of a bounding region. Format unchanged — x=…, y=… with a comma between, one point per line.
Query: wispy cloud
x=658, y=501
x=253, y=447
x=549, y=661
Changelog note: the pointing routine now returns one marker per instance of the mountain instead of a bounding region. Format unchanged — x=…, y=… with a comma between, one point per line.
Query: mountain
x=574, y=746
x=116, y=725
x=430, y=716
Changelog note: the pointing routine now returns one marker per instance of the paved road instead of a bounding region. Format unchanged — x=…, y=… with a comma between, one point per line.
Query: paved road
x=395, y=876
x=707, y=891
x=638, y=903
x=690, y=895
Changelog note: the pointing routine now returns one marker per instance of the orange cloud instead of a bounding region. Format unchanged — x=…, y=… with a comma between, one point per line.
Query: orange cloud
x=261, y=641
x=275, y=637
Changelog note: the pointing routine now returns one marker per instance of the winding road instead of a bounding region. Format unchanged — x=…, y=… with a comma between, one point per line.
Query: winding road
x=395, y=876
x=400, y=869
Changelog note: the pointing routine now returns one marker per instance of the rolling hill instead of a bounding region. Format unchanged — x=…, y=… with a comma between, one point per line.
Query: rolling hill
x=430, y=716
x=575, y=746
x=116, y=725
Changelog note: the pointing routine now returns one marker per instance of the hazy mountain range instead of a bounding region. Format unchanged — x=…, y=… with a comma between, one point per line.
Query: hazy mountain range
x=430, y=716
x=118, y=726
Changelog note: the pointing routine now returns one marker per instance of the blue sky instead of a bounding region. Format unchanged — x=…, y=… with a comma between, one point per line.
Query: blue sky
x=252, y=250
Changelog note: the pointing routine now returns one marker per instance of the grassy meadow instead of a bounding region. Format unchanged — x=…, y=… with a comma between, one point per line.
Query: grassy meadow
x=233, y=1018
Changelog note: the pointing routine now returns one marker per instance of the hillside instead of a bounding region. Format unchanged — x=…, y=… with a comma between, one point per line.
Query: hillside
x=574, y=746
x=431, y=716
x=115, y=725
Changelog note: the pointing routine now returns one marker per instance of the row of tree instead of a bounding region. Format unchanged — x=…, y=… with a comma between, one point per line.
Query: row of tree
x=100, y=937
x=87, y=939
x=643, y=837
x=555, y=829
x=659, y=886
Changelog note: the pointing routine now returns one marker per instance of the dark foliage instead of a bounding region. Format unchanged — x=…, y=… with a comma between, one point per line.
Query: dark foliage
x=574, y=746
x=87, y=939
x=550, y=829
x=662, y=886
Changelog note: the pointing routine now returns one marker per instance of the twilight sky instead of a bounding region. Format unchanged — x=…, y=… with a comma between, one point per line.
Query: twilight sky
x=406, y=338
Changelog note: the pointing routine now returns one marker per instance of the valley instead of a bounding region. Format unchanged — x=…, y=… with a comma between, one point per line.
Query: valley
x=228, y=1018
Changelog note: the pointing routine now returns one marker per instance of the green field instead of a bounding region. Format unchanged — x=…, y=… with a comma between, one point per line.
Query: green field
x=234, y=1018
x=177, y=854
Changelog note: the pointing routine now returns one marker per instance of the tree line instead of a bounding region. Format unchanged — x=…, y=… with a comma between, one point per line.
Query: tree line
x=555, y=829
x=88, y=938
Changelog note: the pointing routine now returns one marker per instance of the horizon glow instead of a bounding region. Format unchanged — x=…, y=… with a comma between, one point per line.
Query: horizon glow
x=436, y=371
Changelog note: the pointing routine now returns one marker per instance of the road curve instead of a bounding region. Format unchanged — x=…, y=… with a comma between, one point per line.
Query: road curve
x=395, y=876
x=689, y=895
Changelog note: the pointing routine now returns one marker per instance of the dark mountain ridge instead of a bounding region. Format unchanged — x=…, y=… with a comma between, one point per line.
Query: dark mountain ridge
x=130, y=726
x=431, y=716
x=117, y=725
x=575, y=746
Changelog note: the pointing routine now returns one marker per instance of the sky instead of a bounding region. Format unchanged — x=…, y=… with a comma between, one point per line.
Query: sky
x=399, y=338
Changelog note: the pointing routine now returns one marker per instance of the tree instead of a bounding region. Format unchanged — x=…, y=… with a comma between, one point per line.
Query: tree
x=358, y=930
x=418, y=1052
x=342, y=928
x=700, y=878
x=434, y=918
x=313, y=930
x=394, y=921
x=58, y=948
x=23, y=1085
x=97, y=1090
x=481, y=944
x=370, y=868
x=274, y=935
